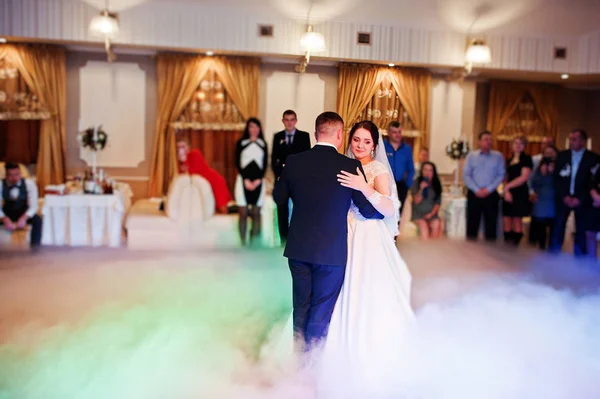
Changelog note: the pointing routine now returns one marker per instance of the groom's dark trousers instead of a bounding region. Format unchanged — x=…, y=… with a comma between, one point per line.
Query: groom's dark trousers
x=317, y=246
x=315, y=292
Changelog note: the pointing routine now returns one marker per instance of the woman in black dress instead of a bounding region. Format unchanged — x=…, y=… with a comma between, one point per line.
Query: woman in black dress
x=516, y=204
x=251, y=163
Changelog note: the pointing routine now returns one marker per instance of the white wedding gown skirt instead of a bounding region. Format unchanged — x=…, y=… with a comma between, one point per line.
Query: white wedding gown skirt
x=368, y=346
x=372, y=324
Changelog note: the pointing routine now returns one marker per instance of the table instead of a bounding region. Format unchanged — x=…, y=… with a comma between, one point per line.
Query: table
x=454, y=211
x=85, y=220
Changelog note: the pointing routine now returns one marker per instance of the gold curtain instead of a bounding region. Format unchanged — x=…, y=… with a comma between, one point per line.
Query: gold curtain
x=178, y=79
x=504, y=100
x=17, y=101
x=413, y=87
x=43, y=68
x=544, y=97
x=406, y=90
x=211, y=108
x=357, y=86
x=384, y=106
x=241, y=78
x=522, y=109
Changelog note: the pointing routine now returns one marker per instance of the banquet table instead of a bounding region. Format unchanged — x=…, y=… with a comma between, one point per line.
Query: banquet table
x=85, y=219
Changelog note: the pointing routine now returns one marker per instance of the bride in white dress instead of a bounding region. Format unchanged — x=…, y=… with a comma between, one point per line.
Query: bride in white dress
x=366, y=346
x=366, y=349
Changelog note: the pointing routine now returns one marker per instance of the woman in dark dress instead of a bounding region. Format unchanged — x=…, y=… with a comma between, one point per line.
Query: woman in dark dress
x=593, y=227
x=427, y=199
x=251, y=163
x=516, y=204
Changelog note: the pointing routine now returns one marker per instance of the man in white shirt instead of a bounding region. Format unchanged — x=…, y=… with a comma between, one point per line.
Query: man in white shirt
x=19, y=198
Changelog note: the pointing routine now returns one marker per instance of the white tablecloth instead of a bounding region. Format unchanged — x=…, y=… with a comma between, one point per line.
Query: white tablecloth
x=85, y=220
x=455, y=217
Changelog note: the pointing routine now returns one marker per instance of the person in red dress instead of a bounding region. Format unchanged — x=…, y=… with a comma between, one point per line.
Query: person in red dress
x=193, y=162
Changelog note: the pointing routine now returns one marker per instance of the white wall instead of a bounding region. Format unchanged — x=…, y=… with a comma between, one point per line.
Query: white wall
x=114, y=95
x=446, y=114
x=308, y=94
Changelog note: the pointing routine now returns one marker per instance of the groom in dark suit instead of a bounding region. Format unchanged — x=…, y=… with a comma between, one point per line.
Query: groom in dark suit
x=572, y=174
x=317, y=244
x=285, y=143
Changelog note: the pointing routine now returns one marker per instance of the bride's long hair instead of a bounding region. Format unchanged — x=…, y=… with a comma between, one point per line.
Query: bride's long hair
x=380, y=155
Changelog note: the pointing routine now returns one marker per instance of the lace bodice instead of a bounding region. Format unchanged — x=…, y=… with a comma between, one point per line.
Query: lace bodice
x=372, y=170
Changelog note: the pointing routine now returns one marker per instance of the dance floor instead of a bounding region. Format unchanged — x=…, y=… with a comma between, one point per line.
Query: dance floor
x=494, y=322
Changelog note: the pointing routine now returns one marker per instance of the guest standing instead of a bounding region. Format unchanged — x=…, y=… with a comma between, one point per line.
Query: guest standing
x=401, y=160
x=287, y=142
x=516, y=204
x=482, y=174
x=19, y=200
x=251, y=162
x=427, y=198
x=547, y=142
x=544, y=208
x=572, y=181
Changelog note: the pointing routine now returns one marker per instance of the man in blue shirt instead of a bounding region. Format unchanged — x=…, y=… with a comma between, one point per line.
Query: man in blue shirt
x=401, y=160
x=483, y=173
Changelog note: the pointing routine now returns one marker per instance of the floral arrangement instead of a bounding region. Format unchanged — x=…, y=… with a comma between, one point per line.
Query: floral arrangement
x=93, y=138
x=457, y=149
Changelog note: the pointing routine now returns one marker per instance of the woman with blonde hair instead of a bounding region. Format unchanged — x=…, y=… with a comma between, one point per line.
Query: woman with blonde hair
x=516, y=204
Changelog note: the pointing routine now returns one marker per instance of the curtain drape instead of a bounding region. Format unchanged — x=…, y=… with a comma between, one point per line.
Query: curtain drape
x=504, y=100
x=384, y=106
x=17, y=101
x=544, y=97
x=178, y=79
x=44, y=70
x=357, y=86
x=527, y=109
x=211, y=108
x=413, y=87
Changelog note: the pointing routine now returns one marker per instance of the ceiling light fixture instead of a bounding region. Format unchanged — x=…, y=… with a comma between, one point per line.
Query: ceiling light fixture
x=210, y=53
x=564, y=76
x=2, y=40
x=105, y=26
x=478, y=52
x=391, y=65
x=310, y=42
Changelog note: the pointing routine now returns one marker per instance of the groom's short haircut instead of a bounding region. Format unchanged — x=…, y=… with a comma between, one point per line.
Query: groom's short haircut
x=326, y=121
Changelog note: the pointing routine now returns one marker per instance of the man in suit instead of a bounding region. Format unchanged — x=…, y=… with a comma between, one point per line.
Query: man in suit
x=287, y=142
x=19, y=204
x=574, y=169
x=317, y=245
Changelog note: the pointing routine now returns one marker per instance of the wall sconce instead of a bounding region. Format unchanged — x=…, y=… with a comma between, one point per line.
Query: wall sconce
x=478, y=52
x=311, y=42
x=105, y=26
